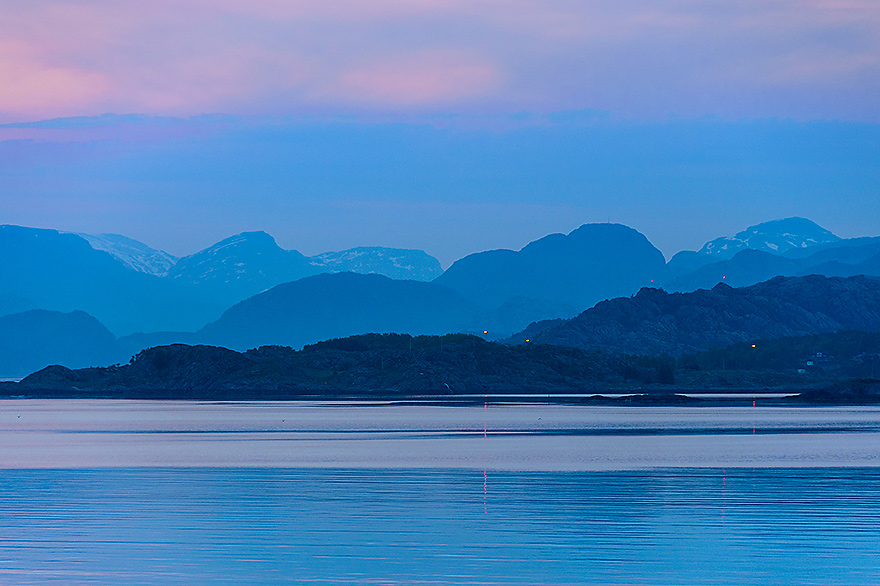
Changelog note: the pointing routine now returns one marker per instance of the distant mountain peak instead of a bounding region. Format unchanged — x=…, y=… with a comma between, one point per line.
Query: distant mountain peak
x=587, y=235
x=591, y=263
x=776, y=236
x=257, y=239
x=242, y=265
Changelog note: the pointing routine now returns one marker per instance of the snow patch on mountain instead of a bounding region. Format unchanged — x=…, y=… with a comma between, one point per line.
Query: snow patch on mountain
x=246, y=257
x=395, y=263
x=777, y=237
x=133, y=254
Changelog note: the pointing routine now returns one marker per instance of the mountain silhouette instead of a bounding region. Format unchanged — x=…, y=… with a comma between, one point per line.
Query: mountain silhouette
x=38, y=338
x=656, y=322
x=249, y=263
x=788, y=247
x=592, y=263
x=62, y=272
x=133, y=254
x=396, y=263
x=775, y=236
x=239, y=267
x=150, y=298
x=13, y=303
x=337, y=305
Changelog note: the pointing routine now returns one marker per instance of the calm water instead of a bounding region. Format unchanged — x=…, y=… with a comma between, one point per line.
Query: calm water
x=186, y=493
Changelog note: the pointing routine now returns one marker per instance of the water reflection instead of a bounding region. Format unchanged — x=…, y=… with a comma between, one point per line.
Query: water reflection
x=207, y=526
x=89, y=434
x=253, y=493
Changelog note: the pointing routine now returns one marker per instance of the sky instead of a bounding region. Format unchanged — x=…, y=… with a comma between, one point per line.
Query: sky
x=449, y=126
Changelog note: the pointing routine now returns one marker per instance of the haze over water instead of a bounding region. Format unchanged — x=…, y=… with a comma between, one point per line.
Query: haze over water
x=125, y=492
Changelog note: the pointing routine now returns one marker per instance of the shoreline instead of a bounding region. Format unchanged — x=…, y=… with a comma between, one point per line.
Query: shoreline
x=682, y=398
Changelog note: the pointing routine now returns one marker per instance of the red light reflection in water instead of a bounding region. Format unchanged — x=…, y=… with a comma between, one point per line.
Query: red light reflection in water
x=485, y=492
x=485, y=475
x=723, y=492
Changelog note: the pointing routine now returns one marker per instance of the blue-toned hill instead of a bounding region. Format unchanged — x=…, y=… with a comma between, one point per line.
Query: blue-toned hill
x=337, y=305
x=656, y=322
x=38, y=338
x=62, y=272
x=590, y=264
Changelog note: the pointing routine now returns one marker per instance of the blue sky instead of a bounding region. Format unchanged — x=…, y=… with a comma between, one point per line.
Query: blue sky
x=448, y=126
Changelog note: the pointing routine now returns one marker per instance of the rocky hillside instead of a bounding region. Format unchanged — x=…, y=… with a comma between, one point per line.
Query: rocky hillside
x=656, y=322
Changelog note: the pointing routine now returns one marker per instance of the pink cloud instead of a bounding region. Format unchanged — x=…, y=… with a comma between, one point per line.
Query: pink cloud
x=417, y=80
x=183, y=57
x=30, y=84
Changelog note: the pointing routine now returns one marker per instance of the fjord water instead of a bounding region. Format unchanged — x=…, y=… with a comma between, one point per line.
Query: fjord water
x=257, y=493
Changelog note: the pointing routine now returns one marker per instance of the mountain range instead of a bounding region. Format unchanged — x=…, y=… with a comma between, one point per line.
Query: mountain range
x=247, y=291
x=131, y=287
x=252, y=262
x=858, y=256
x=47, y=269
x=255, y=256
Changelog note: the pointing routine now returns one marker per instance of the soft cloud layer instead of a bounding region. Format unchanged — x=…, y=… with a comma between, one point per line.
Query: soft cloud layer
x=28, y=83
x=737, y=58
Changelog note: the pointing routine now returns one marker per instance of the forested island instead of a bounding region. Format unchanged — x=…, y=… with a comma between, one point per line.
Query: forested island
x=460, y=367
